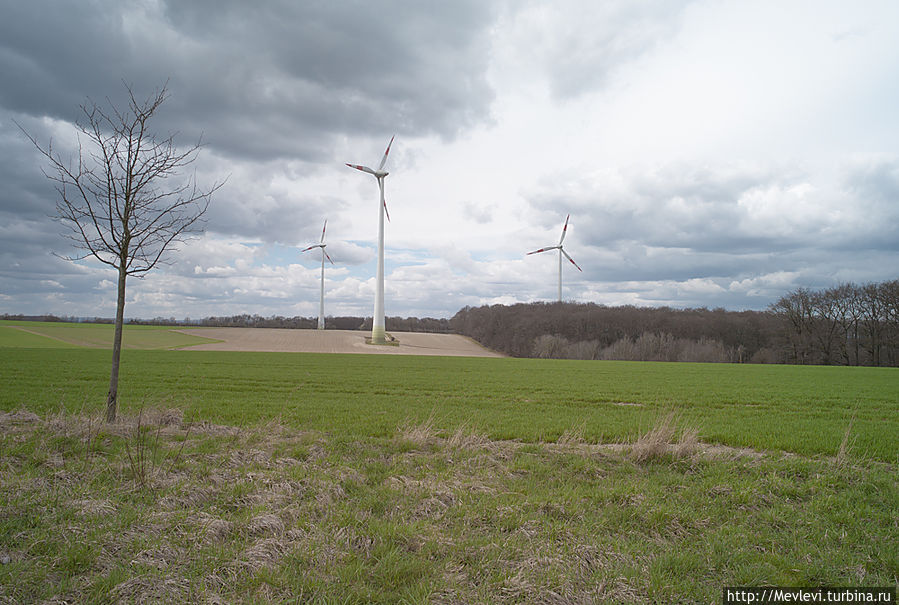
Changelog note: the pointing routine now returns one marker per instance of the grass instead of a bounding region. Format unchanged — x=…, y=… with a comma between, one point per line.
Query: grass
x=271, y=514
x=804, y=410
x=31, y=334
x=302, y=478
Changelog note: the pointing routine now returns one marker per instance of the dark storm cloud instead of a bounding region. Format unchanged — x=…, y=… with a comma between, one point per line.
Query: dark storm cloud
x=27, y=234
x=257, y=80
x=54, y=54
x=24, y=193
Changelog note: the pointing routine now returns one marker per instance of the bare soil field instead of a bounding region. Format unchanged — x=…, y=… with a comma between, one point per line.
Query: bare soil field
x=335, y=341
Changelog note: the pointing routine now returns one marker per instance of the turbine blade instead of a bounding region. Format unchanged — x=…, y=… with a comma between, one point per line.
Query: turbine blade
x=564, y=230
x=310, y=248
x=326, y=256
x=571, y=259
x=540, y=250
x=383, y=199
x=323, y=231
x=384, y=159
x=362, y=168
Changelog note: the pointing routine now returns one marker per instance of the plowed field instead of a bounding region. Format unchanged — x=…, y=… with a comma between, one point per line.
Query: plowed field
x=335, y=341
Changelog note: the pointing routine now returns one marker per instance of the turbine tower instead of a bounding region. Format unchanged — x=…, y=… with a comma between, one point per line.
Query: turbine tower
x=378, y=332
x=561, y=252
x=321, y=305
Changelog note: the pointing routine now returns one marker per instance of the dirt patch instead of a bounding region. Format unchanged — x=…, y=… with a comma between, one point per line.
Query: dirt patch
x=281, y=340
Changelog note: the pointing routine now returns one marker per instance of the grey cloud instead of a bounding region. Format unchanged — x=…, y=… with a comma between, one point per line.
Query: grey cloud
x=54, y=54
x=349, y=253
x=720, y=224
x=270, y=80
x=705, y=210
x=874, y=186
x=578, y=45
x=268, y=216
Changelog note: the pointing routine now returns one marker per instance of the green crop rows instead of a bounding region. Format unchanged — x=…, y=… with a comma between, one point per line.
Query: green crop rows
x=797, y=409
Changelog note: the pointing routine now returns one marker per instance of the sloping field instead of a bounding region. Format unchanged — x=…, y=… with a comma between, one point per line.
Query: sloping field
x=95, y=336
x=279, y=340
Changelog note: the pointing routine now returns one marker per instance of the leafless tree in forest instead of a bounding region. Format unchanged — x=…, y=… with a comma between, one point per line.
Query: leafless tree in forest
x=850, y=324
x=122, y=199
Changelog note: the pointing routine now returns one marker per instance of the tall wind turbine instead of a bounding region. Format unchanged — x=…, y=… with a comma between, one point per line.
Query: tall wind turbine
x=378, y=332
x=561, y=252
x=321, y=305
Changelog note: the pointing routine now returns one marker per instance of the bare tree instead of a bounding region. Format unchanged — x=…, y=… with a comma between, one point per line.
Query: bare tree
x=121, y=199
x=796, y=310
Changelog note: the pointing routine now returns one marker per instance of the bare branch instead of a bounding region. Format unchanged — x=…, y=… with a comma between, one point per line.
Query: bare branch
x=120, y=198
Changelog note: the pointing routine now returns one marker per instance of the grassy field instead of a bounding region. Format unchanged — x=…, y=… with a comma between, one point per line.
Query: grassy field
x=36, y=334
x=803, y=410
x=237, y=477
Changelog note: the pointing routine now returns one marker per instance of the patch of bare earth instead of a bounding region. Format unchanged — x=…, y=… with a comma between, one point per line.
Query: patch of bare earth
x=283, y=340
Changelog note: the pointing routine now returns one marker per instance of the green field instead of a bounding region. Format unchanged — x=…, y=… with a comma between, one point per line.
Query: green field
x=284, y=478
x=796, y=409
x=35, y=334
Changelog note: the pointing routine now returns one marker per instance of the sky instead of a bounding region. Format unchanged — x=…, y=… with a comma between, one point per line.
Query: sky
x=710, y=153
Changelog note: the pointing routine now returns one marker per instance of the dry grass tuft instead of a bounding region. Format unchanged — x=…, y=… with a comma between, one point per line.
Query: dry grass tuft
x=94, y=507
x=419, y=434
x=145, y=589
x=660, y=442
x=573, y=436
x=266, y=525
x=264, y=553
x=846, y=446
x=688, y=444
x=214, y=528
x=466, y=438
x=18, y=418
x=165, y=417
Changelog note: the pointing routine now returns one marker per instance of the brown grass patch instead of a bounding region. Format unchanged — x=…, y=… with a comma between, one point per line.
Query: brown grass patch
x=466, y=438
x=661, y=441
x=846, y=447
x=573, y=436
x=418, y=433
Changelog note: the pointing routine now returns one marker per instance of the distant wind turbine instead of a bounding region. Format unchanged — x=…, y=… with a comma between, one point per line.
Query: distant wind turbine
x=561, y=252
x=321, y=305
x=378, y=332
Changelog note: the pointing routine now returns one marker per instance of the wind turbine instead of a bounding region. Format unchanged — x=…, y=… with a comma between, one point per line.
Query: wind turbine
x=321, y=306
x=561, y=252
x=378, y=332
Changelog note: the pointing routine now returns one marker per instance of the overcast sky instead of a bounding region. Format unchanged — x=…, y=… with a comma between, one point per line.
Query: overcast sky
x=710, y=153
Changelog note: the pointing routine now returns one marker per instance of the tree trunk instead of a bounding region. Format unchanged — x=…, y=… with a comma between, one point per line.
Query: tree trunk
x=112, y=397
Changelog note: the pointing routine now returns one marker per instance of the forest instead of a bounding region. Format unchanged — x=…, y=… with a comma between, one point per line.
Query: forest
x=848, y=324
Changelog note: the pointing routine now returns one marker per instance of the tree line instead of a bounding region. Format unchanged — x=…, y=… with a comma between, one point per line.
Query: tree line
x=848, y=324
x=590, y=331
